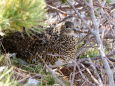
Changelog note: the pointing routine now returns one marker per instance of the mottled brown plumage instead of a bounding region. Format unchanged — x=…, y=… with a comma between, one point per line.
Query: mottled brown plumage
x=39, y=46
x=61, y=46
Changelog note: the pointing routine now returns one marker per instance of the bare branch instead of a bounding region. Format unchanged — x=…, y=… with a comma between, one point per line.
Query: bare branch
x=100, y=45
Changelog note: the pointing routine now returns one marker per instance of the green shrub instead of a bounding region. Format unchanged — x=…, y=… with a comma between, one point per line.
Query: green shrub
x=16, y=14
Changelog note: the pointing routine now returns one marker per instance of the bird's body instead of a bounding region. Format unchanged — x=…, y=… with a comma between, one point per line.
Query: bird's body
x=58, y=47
x=64, y=48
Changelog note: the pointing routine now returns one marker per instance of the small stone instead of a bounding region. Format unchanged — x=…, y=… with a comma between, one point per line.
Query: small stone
x=32, y=82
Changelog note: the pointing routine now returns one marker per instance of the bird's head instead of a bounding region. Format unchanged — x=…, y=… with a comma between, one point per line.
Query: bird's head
x=68, y=29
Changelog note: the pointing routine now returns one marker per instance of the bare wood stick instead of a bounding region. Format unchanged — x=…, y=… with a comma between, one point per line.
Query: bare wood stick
x=98, y=57
x=54, y=75
x=92, y=77
x=99, y=41
x=52, y=72
x=79, y=15
x=95, y=72
x=73, y=76
x=100, y=45
x=57, y=9
x=83, y=76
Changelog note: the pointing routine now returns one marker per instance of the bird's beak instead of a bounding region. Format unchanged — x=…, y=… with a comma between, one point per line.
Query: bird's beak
x=75, y=32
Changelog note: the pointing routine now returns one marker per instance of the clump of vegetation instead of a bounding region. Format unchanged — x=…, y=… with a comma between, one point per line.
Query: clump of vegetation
x=6, y=77
x=8, y=67
x=4, y=60
x=92, y=52
x=6, y=72
x=16, y=14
